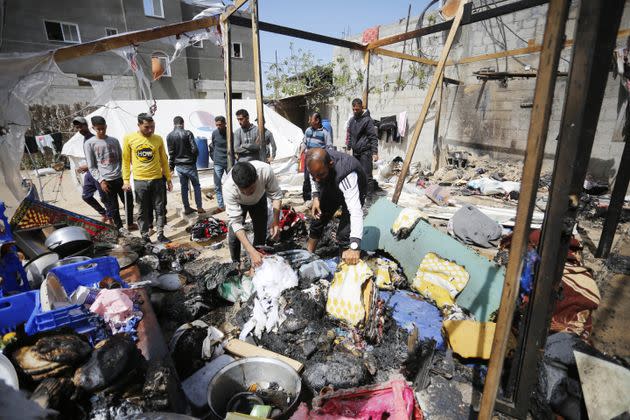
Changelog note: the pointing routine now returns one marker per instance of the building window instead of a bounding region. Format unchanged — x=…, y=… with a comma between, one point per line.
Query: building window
x=237, y=50
x=160, y=67
x=111, y=31
x=153, y=8
x=237, y=95
x=62, y=31
x=198, y=44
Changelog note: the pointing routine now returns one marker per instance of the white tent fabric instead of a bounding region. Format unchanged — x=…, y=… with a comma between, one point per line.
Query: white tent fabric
x=198, y=116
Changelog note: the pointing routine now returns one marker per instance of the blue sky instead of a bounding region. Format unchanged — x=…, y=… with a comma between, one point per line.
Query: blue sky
x=327, y=17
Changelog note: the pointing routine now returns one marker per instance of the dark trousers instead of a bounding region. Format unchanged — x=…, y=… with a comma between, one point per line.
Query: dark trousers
x=306, y=187
x=258, y=213
x=188, y=173
x=116, y=192
x=365, y=159
x=90, y=186
x=329, y=204
x=150, y=196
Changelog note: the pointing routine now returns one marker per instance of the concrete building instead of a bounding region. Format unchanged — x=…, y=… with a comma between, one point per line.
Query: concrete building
x=485, y=118
x=32, y=25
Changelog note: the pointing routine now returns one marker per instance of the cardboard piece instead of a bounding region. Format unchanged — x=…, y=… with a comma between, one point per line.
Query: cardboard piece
x=470, y=339
x=243, y=349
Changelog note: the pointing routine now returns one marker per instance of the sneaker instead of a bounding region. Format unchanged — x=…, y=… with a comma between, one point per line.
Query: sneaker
x=163, y=239
x=200, y=210
x=146, y=238
x=189, y=210
x=218, y=210
x=132, y=227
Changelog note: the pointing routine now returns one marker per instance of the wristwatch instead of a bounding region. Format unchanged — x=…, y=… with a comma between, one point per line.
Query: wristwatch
x=354, y=246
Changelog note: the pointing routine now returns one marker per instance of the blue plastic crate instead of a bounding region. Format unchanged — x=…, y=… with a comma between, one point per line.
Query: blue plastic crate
x=88, y=273
x=16, y=310
x=75, y=316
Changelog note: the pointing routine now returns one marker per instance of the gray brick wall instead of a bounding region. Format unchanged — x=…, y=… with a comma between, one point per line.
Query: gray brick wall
x=483, y=119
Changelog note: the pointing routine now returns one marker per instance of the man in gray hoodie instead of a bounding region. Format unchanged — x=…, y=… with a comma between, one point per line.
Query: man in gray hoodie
x=362, y=139
x=104, y=159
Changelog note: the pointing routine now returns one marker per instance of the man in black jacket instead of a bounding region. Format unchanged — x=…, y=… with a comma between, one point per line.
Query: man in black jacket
x=362, y=139
x=337, y=180
x=183, y=152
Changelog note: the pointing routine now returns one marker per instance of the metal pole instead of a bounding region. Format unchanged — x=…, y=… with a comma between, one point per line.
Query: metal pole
x=227, y=76
x=258, y=78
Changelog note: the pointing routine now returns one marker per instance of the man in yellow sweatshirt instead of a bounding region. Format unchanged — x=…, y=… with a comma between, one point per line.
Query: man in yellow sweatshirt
x=146, y=153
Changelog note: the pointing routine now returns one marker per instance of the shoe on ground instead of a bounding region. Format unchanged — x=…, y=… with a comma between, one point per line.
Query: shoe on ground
x=218, y=210
x=146, y=238
x=209, y=195
x=200, y=210
x=163, y=239
x=132, y=227
x=189, y=210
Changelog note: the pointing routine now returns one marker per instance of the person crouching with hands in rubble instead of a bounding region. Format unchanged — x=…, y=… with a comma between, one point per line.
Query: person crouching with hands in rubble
x=337, y=180
x=245, y=191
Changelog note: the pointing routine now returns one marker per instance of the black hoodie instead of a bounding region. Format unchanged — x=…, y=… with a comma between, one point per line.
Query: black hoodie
x=363, y=134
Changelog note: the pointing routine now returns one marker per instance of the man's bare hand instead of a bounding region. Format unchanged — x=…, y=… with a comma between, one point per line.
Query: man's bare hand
x=316, y=211
x=256, y=258
x=169, y=186
x=82, y=169
x=104, y=186
x=374, y=157
x=274, y=232
x=351, y=256
x=126, y=187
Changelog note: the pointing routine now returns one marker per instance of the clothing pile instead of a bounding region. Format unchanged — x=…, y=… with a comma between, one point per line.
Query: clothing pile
x=208, y=228
x=291, y=223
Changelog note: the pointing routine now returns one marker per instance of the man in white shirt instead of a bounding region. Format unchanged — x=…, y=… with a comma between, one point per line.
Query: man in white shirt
x=338, y=180
x=245, y=191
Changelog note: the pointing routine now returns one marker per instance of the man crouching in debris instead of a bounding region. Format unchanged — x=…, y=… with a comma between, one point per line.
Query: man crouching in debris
x=338, y=180
x=245, y=191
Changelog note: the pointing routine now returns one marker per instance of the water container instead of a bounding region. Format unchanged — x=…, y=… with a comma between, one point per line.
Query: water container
x=328, y=127
x=203, y=158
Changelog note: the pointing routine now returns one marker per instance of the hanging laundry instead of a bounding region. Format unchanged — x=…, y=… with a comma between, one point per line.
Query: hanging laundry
x=440, y=280
x=370, y=35
x=578, y=299
x=401, y=121
x=45, y=141
x=346, y=293
x=389, y=126
x=208, y=228
x=472, y=227
x=406, y=222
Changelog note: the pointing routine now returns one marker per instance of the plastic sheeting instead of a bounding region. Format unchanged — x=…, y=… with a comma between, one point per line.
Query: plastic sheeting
x=24, y=77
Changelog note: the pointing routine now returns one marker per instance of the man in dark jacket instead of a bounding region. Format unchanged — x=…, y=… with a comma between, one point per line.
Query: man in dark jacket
x=218, y=152
x=362, y=138
x=183, y=152
x=337, y=181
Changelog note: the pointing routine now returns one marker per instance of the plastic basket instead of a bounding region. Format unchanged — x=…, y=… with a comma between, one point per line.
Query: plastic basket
x=74, y=316
x=88, y=273
x=16, y=310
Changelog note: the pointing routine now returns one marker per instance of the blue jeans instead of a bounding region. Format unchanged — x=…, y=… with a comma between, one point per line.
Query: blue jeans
x=219, y=170
x=189, y=173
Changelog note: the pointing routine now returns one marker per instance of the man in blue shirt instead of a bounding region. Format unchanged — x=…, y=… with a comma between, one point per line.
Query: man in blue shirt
x=316, y=136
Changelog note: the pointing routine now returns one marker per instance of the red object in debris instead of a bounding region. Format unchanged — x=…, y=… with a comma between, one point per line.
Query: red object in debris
x=393, y=400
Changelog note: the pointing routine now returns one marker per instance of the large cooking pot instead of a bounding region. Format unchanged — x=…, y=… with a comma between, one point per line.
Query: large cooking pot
x=238, y=376
x=68, y=241
x=37, y=268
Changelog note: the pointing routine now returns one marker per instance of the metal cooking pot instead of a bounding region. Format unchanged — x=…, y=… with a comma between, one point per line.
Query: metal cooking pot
x=37, y=268
x=68, y=240
x=237, y=377
x=66, y=261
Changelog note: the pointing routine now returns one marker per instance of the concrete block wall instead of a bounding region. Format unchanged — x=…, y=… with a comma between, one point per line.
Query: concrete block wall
x=484, y=119
x=65, y=90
